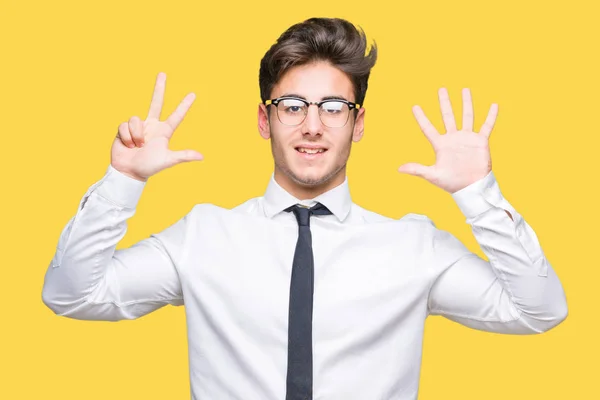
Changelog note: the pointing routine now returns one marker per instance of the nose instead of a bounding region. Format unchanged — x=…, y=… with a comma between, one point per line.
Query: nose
x=312, y=123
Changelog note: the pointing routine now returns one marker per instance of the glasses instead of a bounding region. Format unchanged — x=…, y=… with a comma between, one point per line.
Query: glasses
x=292, y=111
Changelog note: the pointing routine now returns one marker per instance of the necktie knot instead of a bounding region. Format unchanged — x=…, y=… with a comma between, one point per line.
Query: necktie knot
x=303, y=213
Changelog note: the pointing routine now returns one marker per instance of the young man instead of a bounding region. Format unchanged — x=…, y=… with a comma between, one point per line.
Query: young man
x=302, y=294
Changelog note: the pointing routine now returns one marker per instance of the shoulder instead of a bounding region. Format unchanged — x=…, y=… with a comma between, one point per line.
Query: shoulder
x=369, y=216
x=209, y=210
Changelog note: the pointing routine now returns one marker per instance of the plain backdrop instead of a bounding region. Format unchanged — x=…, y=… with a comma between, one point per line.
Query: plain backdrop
x=71, y=71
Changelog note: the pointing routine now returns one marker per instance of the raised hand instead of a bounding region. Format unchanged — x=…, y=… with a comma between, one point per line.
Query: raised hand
x=140, y=149
x=461, y=156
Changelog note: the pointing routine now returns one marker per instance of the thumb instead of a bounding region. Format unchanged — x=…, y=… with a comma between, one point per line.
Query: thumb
x=176, y=157
x=426, y=172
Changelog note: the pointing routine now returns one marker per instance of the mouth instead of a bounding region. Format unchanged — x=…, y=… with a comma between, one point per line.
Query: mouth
x=311, y=153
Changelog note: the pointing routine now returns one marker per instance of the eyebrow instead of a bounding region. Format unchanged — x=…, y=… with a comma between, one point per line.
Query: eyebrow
x=322, y=98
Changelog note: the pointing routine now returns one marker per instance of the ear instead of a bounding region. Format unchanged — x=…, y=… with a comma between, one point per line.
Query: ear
x=263, y=121
x=359, y=125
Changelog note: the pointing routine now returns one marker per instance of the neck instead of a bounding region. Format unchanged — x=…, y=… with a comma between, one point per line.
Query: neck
x=308, y=192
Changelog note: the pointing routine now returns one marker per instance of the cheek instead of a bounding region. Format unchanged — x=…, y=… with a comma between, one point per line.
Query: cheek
x=281, y=149
x=345, y=144
x=282, y=140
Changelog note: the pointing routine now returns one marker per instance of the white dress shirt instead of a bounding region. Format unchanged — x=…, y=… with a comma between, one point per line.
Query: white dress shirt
x=376, y=281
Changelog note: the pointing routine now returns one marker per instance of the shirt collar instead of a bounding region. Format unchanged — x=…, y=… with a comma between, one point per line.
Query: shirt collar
x=337, y=200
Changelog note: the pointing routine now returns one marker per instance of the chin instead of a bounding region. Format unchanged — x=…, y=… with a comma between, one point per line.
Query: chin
x=303, y=177
x=312, y=178
x=311, y=182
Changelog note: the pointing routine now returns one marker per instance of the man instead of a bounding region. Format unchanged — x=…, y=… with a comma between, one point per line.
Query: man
x=302, y=294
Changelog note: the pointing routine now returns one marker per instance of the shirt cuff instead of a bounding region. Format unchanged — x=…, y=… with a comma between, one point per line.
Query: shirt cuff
x=120, y=189
x=479, y=196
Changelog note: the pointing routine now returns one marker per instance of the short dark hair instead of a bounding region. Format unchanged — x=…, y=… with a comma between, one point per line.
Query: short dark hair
x=334, y=40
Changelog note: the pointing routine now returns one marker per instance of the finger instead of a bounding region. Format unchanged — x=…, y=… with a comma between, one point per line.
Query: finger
x=157, y=96
x=423, y=171
x=177, y=157
x=490, y=121
x=175, y=119
x=125, y=136
x=136, y=131
x=446, y=107
x=426, y=126
x=467, y=121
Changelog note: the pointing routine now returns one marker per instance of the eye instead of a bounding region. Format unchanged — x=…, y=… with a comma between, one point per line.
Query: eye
x=292, y=106
x=333, y=107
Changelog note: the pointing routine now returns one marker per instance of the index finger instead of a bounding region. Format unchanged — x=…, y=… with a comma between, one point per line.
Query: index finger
x=157, y=97
x=490, y=121
x=177, y=116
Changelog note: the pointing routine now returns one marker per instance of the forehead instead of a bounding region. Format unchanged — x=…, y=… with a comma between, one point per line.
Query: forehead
x=315, y=81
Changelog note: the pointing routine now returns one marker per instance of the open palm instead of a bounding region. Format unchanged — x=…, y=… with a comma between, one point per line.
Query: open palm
x=461, y=156
x=140, y=149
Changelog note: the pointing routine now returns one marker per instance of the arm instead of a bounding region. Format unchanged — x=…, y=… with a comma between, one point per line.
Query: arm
x=89, y=279
x=517, y=291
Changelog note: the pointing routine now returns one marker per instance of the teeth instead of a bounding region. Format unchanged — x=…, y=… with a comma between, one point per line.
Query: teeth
x=310, y=151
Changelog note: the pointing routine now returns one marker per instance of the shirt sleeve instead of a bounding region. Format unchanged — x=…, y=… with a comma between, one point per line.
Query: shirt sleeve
x=517, y=291
x=89, y=279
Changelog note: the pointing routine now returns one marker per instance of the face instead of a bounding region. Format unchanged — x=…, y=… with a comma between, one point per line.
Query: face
x=302, y=174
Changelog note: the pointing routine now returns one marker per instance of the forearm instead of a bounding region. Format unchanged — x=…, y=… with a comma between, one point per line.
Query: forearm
x=86, y=247
x=515, y=256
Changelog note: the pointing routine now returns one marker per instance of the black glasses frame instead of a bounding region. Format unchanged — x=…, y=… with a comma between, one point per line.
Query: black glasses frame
x=276, y=101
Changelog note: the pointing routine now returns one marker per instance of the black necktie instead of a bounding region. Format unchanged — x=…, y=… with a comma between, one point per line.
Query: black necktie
x=300, y=367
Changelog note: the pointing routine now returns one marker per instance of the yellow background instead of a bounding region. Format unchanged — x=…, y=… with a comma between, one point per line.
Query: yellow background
x=71, y=71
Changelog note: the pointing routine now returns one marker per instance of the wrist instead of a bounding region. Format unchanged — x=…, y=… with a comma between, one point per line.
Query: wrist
x=131, y=175
x=120, y=188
